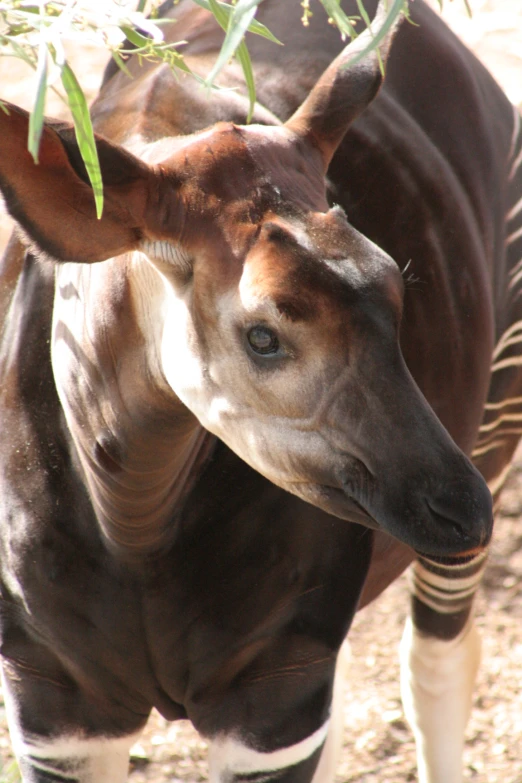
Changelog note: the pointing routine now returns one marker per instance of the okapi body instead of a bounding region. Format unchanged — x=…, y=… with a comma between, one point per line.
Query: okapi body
x=237, y=406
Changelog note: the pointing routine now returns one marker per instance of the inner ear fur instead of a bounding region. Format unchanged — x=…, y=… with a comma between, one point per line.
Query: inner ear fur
x=53, y=201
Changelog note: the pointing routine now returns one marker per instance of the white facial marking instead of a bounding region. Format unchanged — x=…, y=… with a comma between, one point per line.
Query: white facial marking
x=180, y=362
x=219, y=409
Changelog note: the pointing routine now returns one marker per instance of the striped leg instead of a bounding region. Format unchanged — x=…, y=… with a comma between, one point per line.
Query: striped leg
x=75, y=760
x=233, y=761
x=69, y=758
x=314, y=759
x=440, y=654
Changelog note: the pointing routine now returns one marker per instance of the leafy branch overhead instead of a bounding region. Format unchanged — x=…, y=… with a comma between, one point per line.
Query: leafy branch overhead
x=35, y=32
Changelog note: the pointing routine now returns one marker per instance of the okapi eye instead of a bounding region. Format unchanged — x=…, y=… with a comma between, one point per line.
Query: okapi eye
x=263, y=340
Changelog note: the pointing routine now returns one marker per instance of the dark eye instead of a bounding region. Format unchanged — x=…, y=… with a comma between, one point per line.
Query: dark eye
x=263, y=340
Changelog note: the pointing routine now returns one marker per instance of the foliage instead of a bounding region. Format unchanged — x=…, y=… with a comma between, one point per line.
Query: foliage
x=10, y=773
x=34, y=31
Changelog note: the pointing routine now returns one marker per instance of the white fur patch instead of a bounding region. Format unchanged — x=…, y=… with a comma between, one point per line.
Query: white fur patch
x=437, y=679
x=94, y=760
x=230, y=755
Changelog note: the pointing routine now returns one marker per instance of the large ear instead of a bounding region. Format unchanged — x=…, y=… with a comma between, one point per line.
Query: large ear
x=53, y=202
x=343, y=91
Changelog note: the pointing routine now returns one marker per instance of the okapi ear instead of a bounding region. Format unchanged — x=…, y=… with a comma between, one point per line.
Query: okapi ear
x=53, y=202
x=342, y=92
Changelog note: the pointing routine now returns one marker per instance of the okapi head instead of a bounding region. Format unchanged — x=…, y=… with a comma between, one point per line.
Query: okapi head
x=276, y=322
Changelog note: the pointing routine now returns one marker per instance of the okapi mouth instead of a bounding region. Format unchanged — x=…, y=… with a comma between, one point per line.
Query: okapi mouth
x=450, y=543
x=352, y=508
x=452, y=560
x=337, y=502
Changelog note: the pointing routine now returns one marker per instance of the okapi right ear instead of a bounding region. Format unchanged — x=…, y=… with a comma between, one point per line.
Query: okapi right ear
x=53, y=202
x=343, y=91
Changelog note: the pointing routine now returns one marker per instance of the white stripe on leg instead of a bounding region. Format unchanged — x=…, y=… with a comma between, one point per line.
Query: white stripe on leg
x=437, y=679
x=96, y=760
x=93, y=760
x=228, y=756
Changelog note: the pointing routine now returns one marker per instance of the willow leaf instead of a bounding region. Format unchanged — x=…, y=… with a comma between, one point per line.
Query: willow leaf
x=397, y=7
x=37, y=115
x=238, y=23
x=120, y=62
x=341, y=20
x=243, y=56
x=84, y=133
x=257, y=28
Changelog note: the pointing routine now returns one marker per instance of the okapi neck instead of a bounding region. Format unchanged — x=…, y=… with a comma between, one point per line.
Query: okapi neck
x=139, y=449
x=138, y=510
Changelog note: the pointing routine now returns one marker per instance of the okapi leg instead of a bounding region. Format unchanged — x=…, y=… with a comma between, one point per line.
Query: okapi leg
x=313, y=760
x=440, y=655
x=75, y=760
x=233, y=761
x=331, y=751
x=62, y=756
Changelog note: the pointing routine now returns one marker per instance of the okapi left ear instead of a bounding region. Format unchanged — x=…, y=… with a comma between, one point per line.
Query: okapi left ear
x=342, y=92
x=53, y=202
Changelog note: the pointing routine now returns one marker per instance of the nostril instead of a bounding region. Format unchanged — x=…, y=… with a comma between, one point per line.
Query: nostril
x=466, y=508
x=445, y=513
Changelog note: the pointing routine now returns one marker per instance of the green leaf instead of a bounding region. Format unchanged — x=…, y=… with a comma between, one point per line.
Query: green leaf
x=148, y=49
x=235, y=26
x=341, y=20
x=397, y=7
x=238, y=23
x=84, y=133
x=19, y=52
x=37, y=114
x=255, y=27
x=362, y=11
x=243, y=56
x=218, y=9
x=120, y=62
x=368, y=23
x=134, y=37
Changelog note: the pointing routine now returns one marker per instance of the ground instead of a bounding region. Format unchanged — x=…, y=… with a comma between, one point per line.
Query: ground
x=378, y=747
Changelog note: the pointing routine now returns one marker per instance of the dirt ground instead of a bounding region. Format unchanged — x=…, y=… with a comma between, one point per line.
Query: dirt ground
x=378, y=747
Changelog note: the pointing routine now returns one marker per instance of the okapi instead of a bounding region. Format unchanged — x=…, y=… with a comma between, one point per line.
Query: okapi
x=228, y=422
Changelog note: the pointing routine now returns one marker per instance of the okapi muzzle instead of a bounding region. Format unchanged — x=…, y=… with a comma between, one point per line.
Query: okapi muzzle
x=402, y=471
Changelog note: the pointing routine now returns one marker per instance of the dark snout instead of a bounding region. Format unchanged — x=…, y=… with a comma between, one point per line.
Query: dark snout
x=439, y=512
x=463, y=506
x=409, y=477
